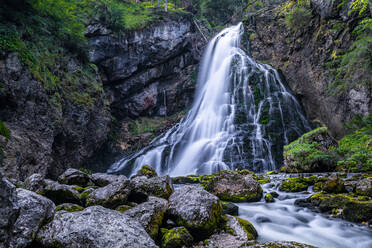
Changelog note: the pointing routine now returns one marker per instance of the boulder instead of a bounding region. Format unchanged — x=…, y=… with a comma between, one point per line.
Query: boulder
x=69, y=207
x=310, y=153
x=177, y=237
x=9, y=210
x=364, y=187
x=146, y=171
x=60, y=193
x=269, y=198
x=155, y=186
x=196, y=209
x=110, y=196
x=235, y=187
x=75, y=177
x=240, y=228
x=334, y=185
x=229, y=208
x=34, y=183
x=35, y=211
x=150, y=214
x=104, y=179
x=94, y=227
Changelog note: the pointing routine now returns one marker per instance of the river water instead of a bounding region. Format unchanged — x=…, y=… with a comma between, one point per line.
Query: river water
x=282, y=220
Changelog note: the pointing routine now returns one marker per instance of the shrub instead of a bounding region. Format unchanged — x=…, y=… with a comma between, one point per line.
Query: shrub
x=298, y=18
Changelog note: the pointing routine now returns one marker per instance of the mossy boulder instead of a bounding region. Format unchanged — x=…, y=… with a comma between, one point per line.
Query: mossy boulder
x=310, y=153
x=146, y=171
x=69, y=207
x=104, y=179
x=176, y=238
x=196, y=209
x=334, y=185
x=110, y=196
x=297, y=184
x=142, y=187
x=364, y=186
x=150, y=214
x=269, y=198
x=60, y=193
x=190, y=179
x=234, y=186
x=123, y=208
x=353, y=208
x=75, y=177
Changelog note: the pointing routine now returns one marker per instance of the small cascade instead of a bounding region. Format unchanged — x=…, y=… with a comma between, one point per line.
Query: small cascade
x=241, y=117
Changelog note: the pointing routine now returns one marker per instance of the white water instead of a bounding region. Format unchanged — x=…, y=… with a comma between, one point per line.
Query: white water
x=207, y=139
x=282, y=220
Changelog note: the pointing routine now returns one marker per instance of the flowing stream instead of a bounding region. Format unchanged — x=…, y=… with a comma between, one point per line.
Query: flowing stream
x=282, y=220
x=241, y=117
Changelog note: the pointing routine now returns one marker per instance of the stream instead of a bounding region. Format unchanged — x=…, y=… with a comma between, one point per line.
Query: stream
x=282, y=220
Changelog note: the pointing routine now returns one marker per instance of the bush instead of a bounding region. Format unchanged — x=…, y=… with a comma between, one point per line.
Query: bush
x=298, y=18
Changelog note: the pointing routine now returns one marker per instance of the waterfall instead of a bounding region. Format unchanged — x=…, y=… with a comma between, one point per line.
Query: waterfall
x=241, y=117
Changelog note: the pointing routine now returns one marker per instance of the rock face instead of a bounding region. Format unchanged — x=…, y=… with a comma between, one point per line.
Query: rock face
x=9, y=210
x=303, y=56
x=232, y=186
x=150, y=214
x=196, y=209
x=45, y=139
x=94, y=227
x=147, y=72
x=35, y=211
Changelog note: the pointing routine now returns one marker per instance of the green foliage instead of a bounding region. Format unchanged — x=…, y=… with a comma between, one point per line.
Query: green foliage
x=298, y=18
x=353, y=67
x=356, y=149
x=4, y=131
x=86, y=171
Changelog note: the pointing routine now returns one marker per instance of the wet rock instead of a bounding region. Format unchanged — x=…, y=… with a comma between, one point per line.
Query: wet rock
x=103, y=179
x=196, y=209
x=9, y=210
x=235, y=187
x=110, y=196
x=177, y=237
x=35, y=211
x=60, y=193
x=274, y=194
x=269, y=198
x=309, y=153
x=69, y=207
x=75, y=177
x=358, y=211
x=229, y=208
x=150, y=214
x=155, y=186
x=94, y=227
x=146, y=171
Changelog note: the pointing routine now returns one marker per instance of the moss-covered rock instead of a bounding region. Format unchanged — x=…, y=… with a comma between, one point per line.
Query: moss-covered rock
x=196, y=209
x=146, y=171
x=176, y=238
x=191, y=179
x=310, y=153
x=269, y=198
x=123, y=208
x=69, y=207
x=334, y=185
x=248, y=228
x=297, y=184
x=155, y=186
x=233, y=186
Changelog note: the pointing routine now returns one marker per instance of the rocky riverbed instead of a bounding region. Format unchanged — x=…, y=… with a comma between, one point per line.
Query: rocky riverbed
x=147, y=210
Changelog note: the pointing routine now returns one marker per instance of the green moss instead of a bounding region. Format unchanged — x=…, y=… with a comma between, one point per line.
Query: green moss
x=69, y=207
x=147, y=171
x=269, y=198
x=176, y=237
x=4, y=131
x=271, y=173
x=263, y=181
x=297, y=184
x=248, y=228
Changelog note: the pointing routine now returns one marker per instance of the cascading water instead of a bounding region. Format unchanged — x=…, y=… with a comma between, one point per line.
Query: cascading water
x=241, y=117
